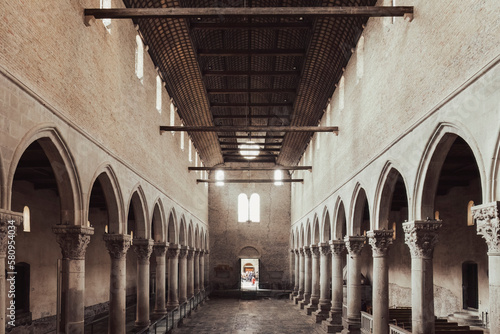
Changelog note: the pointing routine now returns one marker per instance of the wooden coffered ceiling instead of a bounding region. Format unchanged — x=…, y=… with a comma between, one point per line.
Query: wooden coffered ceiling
x=250, y=69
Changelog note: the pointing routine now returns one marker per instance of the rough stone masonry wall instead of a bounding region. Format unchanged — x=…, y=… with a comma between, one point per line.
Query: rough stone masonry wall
x=228, y=237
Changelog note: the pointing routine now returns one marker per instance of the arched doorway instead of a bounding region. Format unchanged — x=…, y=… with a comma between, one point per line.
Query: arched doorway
x=249, y=268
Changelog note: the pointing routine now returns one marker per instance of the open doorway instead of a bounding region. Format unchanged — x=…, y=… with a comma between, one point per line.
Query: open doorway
x=249, y=274
x=470, y=285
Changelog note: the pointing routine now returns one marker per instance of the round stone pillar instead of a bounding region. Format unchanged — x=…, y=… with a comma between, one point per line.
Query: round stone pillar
x=190, y=273
x=202, y=270
x=160, y=250
x=173, y=276
x=117, y=245
x=421, y=237
x=196, y=271
x=143, y=249
x=487, y=218
x=315, y=269
x=380, y=241
x=183, y=274
x=334, y=322
x=307, y=277
x=207, y=267
x=354, y=245
x=324, y=294
x=300, y=294
x=296, y=272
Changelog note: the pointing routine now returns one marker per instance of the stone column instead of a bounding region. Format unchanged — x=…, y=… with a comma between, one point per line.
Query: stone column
x=354, y=245
x=307, y=277
x=207, y=267
x=292, y=271
x=324, y=295
x=160, y=250
x=314, y=301
x=421, y=237
x=380, y=241
x=190, y=273
x=297, y=272
x=202, y=270
x=196, y=271
x=9, y=223
x=173, y=276
x=183, y=274
x=334, y=322
x=487, y=218
x=300, y=294
x=143, y=249
x=117, y=245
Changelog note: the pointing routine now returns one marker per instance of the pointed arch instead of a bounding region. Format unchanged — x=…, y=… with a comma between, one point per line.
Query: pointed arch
x=432, y=161
x=340, y=220
x=190, y=236
x=384, y=195
x=495, y=174
x=206, y=241
x=308, y=234
x=172, y=235
x=359, y=201
x=327, y=228
x=315, y=231
x=182, y=231
x=158, y=222
x=113, y=196
x=196, y=233
x=302, y=233
x=63, y=166
x=138, y=202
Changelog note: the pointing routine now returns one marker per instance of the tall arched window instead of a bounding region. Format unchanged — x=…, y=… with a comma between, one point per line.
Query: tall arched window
x=248, y=210
x=242, y=208
x=255, y=208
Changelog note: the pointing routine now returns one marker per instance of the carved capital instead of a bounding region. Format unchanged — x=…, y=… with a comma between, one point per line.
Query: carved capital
x=380, y=240
x=307, y=251
x=12, y=219
x=190, y=254
x=160, y=248
x=324, y=248
x=73, y=240
x=314, y=251
x=143, y=248
x=354, y=244
x=117, y=244
x=337, y=247
x=488, y=225
x=301, y=251
x=183, y=252
x=297, y=252
x=421, y=236
x=173, y=251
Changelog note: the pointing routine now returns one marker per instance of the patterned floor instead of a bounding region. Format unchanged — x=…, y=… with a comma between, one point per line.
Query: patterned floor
x=235, y=316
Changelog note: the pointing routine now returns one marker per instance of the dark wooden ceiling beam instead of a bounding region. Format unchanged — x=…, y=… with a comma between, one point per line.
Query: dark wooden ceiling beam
x=239, y=168
x=251, y=52
x=242, y=143
x=211, y=73
x=251, y=26
x=237, y=149
x=250, y=181
x=249, y=116
x=217, y=12
x=247, y=137
x=334, y=129
x=251, y=91
x=233, y=105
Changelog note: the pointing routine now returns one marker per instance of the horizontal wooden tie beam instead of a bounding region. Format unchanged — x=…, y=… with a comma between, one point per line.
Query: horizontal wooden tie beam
x=234, y=105
x=251, y=91
x=250, y=73
x=203, y=12
x=309, y=168
x=247, y=137
x=250, y=181
x=249, y=116
x=229, y=149
x=334, y=129
x=250, y=26
x=242, y=143
x=251, y=52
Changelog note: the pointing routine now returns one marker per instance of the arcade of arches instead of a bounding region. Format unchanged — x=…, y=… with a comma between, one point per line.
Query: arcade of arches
x=399, y=217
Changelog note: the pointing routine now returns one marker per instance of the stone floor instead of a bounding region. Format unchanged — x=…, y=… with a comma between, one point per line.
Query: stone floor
x=264, y=316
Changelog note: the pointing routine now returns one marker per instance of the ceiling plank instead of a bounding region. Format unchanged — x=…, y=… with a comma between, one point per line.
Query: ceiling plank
x=251, y=52
x=249, y=116
x=238, y=168
x=199, y=12
x=251, y=91
x=251, y=26
x=234, y=105
x=334, y=129
x=250, y=181
x=210, y=73
x=247, y=137
x=259, y=144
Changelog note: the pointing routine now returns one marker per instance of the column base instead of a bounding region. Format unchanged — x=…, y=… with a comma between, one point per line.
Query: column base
x=322, y=313
x=172, y=307
x=142, y=323
x=305, y=301
x=333, y=324
x=160, y=311
x=312, y=307
x=351, y=326
x=298, y=298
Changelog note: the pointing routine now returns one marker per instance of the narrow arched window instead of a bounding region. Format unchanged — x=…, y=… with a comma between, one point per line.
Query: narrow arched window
x=106, y=22
x=470, y=217
x=255, y=208
x=242, y=208
x=139, y=58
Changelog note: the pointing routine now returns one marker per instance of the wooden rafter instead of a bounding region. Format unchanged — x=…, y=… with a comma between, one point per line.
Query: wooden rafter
x=240, y=168
x=250, y=181
x=249, y=116
x=233, y=105
x=251, y=52
x=252, y=26
x=334, y=129
x=250, y=73
x=251, y=91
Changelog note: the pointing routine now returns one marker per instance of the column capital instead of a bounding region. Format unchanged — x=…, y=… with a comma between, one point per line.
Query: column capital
x=421, y=236
x=380, y=240
x=6, y=218
x=307, y=251
x=183, y=252
x=73, y=240
x=143, y=248
x=314, y=251
x=160, y=248
x=173, y=251
x=337, y=246
x=354, y=244
x=487, y=218
x=301, y=251
x=190, y=253
x=117, y=244
x=324, y=248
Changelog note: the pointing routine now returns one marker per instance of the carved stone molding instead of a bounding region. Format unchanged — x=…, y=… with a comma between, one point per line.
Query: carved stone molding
x=421, y=236
x=117, y=244
x=173, y=251
x=143, y=248
x=160, y=248
x=380, y=240
x=183, y=252
x=324, y=248
x=190, y=254
x=73, y=240
x=315, y=251
x=301, y=251
x=307, y=251
x=354, y=244
x=337, y=247
x=6, y=217
x=487, y=218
